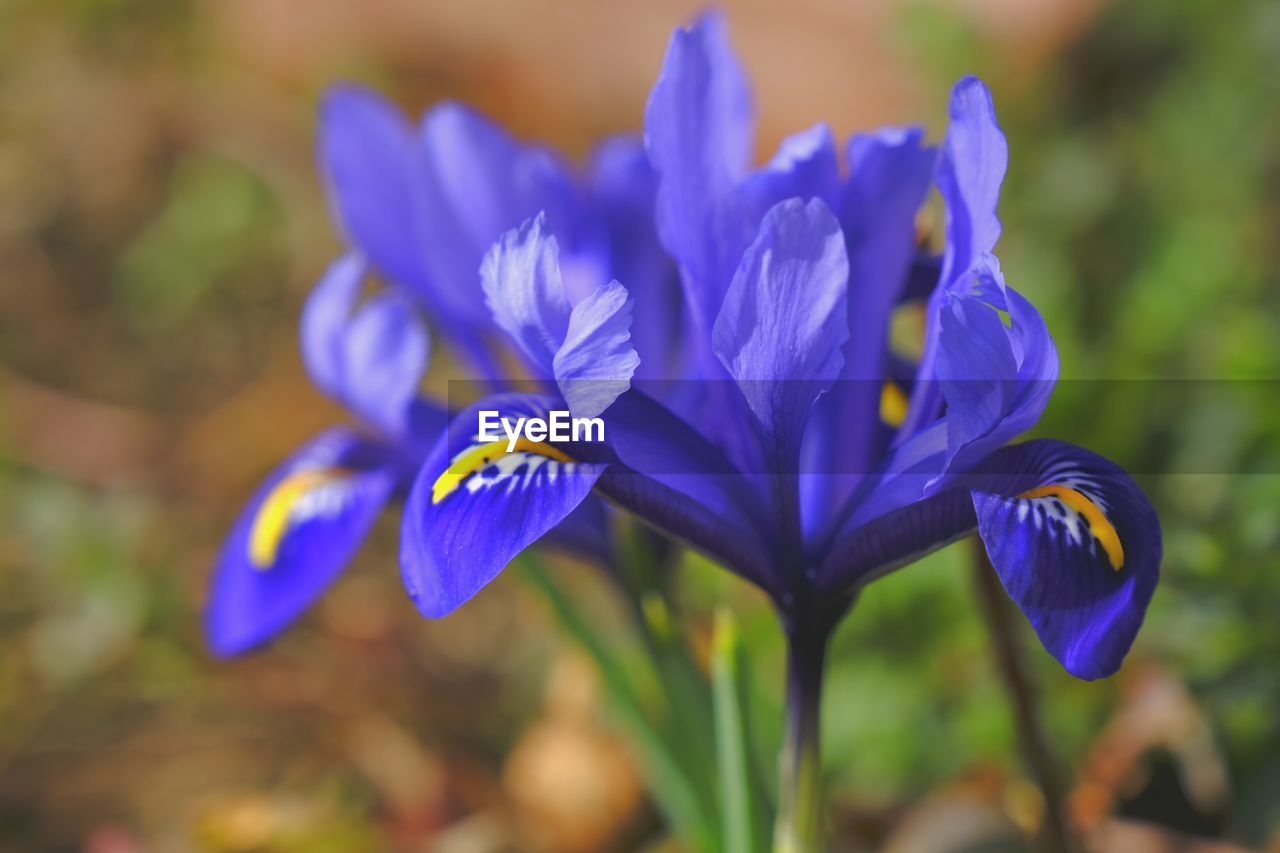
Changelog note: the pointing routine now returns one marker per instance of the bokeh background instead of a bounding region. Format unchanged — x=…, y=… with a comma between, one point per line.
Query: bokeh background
x=161, y=221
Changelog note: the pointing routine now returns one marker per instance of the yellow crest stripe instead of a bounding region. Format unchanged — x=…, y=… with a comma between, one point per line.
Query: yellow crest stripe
x=272, y=521
x=475, y=458
x=1099, y=525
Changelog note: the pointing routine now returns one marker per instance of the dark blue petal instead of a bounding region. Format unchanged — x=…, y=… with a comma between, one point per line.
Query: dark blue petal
x=1077, y=545
x=524, y=292
x=596, y=360
x=784, y=321
x=584, y=533
x=475, y=506
x=369, y=156
x=371, y=359
x=1074, y=541
x=698, y=131
x=901, y=478
x=671, y=476
x=295, y=536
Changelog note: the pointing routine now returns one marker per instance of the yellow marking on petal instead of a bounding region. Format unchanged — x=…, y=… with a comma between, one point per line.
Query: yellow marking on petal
x=473, y=459
x=893, y=404
x=1099, y=525
x=272, y=521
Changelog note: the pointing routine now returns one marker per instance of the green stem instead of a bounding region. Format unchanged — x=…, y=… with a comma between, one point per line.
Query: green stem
x=1055, y=834
x=799, y=826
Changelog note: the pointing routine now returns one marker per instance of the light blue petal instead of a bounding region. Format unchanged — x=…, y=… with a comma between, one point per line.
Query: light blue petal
x=480, y=183
x=524, y=292
x=596, y=362
x=370, y=359
x=375, y=173
x=784, y=320
x=325, y=315
x=698, y=131
x=971, y=167
x=996, y=379
x=970, y=170
x=805, y=166
x=385, y=358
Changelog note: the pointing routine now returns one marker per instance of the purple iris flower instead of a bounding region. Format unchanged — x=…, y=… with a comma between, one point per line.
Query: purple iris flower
x=420, y=206
x=309, y=517
x=787, y=469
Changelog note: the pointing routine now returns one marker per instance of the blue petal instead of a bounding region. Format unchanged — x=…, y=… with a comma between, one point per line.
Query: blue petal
x=325, y=315
x=996, y=379
x=386, y=355
x=481, y=183
x=670, y=475
x=584, y=533
x=1077, y=545
x=524, y=292
x=805, y=167
x=971, y=167
x=698, y=130
x=475, y=506
x=596, y=361
x=296, y=535
x=784, y=321
x=624, y=185
x=889, y=176
x=1074, y=541
x=375, y=175
x=371, y=359
x=970, y=171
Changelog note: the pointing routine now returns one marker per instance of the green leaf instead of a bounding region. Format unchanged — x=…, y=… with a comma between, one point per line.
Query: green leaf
x=670, y=784
x=742, y=810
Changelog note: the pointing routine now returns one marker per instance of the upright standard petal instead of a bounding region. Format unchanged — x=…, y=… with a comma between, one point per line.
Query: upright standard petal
x=293, y=539
x=524, y=292
x=375, y=174
x=323, y=326
x=596, y=361
x=784, y=320
x=890, y=171
x=996, y=379
x=699, y=130
x=971, y=167
x=1077, y=545
x=480, y=183
x=369, y=359
x=805, y=166
x=476, y=504
x=623, y=186
x=970, y=171
x=386, y=356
